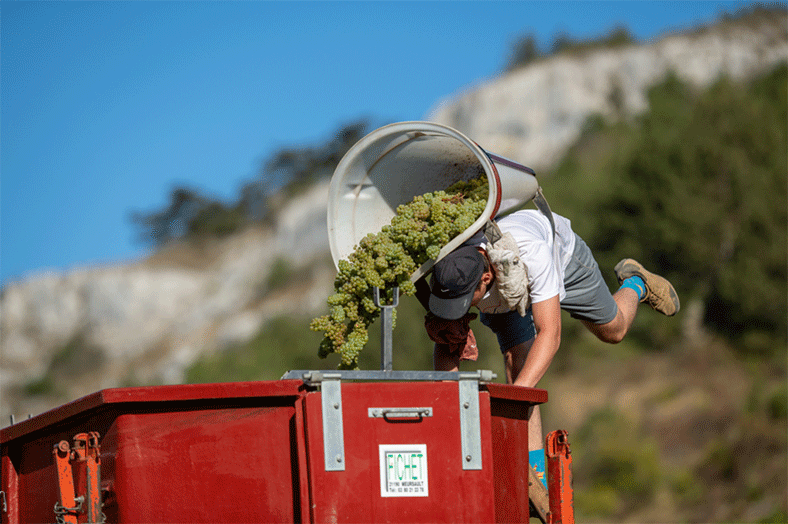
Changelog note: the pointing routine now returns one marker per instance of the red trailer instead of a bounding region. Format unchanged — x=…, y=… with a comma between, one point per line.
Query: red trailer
x=312, y=447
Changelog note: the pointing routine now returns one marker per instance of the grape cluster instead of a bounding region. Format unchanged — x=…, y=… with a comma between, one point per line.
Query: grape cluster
x=417, y=233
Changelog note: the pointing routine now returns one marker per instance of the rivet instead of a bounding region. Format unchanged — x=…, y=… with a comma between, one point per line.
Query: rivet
x=467, y=458
x=339, y=458
x=336, y=405
x=466, y=405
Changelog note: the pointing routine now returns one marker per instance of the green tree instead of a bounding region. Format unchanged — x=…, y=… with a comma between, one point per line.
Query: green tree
x=701, y=199
x=524, y=51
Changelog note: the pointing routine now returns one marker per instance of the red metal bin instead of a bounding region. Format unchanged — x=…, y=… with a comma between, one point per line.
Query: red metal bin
x=319, y=449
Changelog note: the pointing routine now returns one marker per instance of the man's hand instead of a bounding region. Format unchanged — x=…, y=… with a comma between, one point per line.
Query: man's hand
x=454, y=340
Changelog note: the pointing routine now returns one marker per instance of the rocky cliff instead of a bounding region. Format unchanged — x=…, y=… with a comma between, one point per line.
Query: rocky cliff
x=534, y=114
x=146, y=321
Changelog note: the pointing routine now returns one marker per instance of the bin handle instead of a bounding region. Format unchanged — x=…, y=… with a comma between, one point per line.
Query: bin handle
x=399, y=412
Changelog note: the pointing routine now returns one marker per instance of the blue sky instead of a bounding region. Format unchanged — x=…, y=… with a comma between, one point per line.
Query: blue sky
x=107, y=106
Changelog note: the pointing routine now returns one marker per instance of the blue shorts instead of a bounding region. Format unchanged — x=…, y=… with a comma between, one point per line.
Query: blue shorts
x=587, y=298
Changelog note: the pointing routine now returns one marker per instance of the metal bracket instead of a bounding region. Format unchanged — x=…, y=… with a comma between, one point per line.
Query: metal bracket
x=85, y=449
x=333, y=434
x=66, y=506
x=470, y=424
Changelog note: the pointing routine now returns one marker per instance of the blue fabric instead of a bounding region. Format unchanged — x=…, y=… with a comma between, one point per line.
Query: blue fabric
x=537, y=462
x=636, y=284
x=510, y=328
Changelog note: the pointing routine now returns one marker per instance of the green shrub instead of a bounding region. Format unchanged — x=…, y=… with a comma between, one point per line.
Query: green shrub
x=696, y=191
x=616, y=467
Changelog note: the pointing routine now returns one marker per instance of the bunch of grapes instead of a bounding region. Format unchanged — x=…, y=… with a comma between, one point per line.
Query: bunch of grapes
x=387, y=259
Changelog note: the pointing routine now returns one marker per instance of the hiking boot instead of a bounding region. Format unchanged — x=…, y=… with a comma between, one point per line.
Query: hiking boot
x=660, y=294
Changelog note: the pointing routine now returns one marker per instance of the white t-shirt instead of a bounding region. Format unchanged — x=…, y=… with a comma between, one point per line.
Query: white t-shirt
x=546, y=266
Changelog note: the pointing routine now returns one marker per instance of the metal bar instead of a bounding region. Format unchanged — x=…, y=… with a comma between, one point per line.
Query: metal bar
x=93, y=478
x=386, y=327
x=333, y=434
x=470, y=425
x=66, y=508
x=559, y=477
x=313, y=377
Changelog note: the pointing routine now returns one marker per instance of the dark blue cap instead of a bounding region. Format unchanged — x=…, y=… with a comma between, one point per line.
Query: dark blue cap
x=454, y=279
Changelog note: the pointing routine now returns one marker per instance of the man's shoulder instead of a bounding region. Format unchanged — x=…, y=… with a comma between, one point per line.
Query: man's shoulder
x=524, y=222
x=530, y=223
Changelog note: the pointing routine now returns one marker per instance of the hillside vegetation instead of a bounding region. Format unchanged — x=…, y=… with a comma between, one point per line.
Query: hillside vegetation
x=685, y=420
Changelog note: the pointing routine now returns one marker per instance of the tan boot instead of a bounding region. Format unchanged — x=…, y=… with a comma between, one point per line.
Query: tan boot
x=660, y=294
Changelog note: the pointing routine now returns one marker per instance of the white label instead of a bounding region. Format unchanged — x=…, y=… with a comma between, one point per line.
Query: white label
x=403, y=470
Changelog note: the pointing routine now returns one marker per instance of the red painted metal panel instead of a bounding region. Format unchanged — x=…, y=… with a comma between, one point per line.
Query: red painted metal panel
x=509, y=431
x=354, y=495
x=516, y=393
x=9, y=484
x=253, y=452
x=213, y=465
x=189, y=392
x=303, y=466
x=207, y=453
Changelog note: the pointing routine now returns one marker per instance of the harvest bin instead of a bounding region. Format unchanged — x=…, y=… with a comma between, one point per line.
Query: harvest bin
x=319, y=448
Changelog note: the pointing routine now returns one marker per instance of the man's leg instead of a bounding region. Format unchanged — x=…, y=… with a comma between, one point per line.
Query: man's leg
x=614, y=331
x=514, y=359
x=637, y=285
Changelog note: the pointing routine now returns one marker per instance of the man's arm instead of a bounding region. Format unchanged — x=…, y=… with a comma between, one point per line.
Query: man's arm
x=547, y=321
x=443, y=359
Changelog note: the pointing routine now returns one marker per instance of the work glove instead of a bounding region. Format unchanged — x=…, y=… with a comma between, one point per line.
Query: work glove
x=456, y=336
x=510, y=273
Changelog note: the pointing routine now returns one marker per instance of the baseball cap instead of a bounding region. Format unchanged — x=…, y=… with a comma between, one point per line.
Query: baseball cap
x=454, y=279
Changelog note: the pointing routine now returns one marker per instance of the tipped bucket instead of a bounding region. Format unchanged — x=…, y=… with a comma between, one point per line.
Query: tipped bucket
x=394, y=163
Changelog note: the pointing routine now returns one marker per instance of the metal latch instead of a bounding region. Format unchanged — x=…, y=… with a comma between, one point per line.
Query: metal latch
x=69, y=506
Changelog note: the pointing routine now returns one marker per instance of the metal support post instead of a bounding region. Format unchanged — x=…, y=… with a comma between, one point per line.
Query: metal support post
x=559, y=475
x=66, y=507
x=86, y=449
x=87, y=453
x=386, y=327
